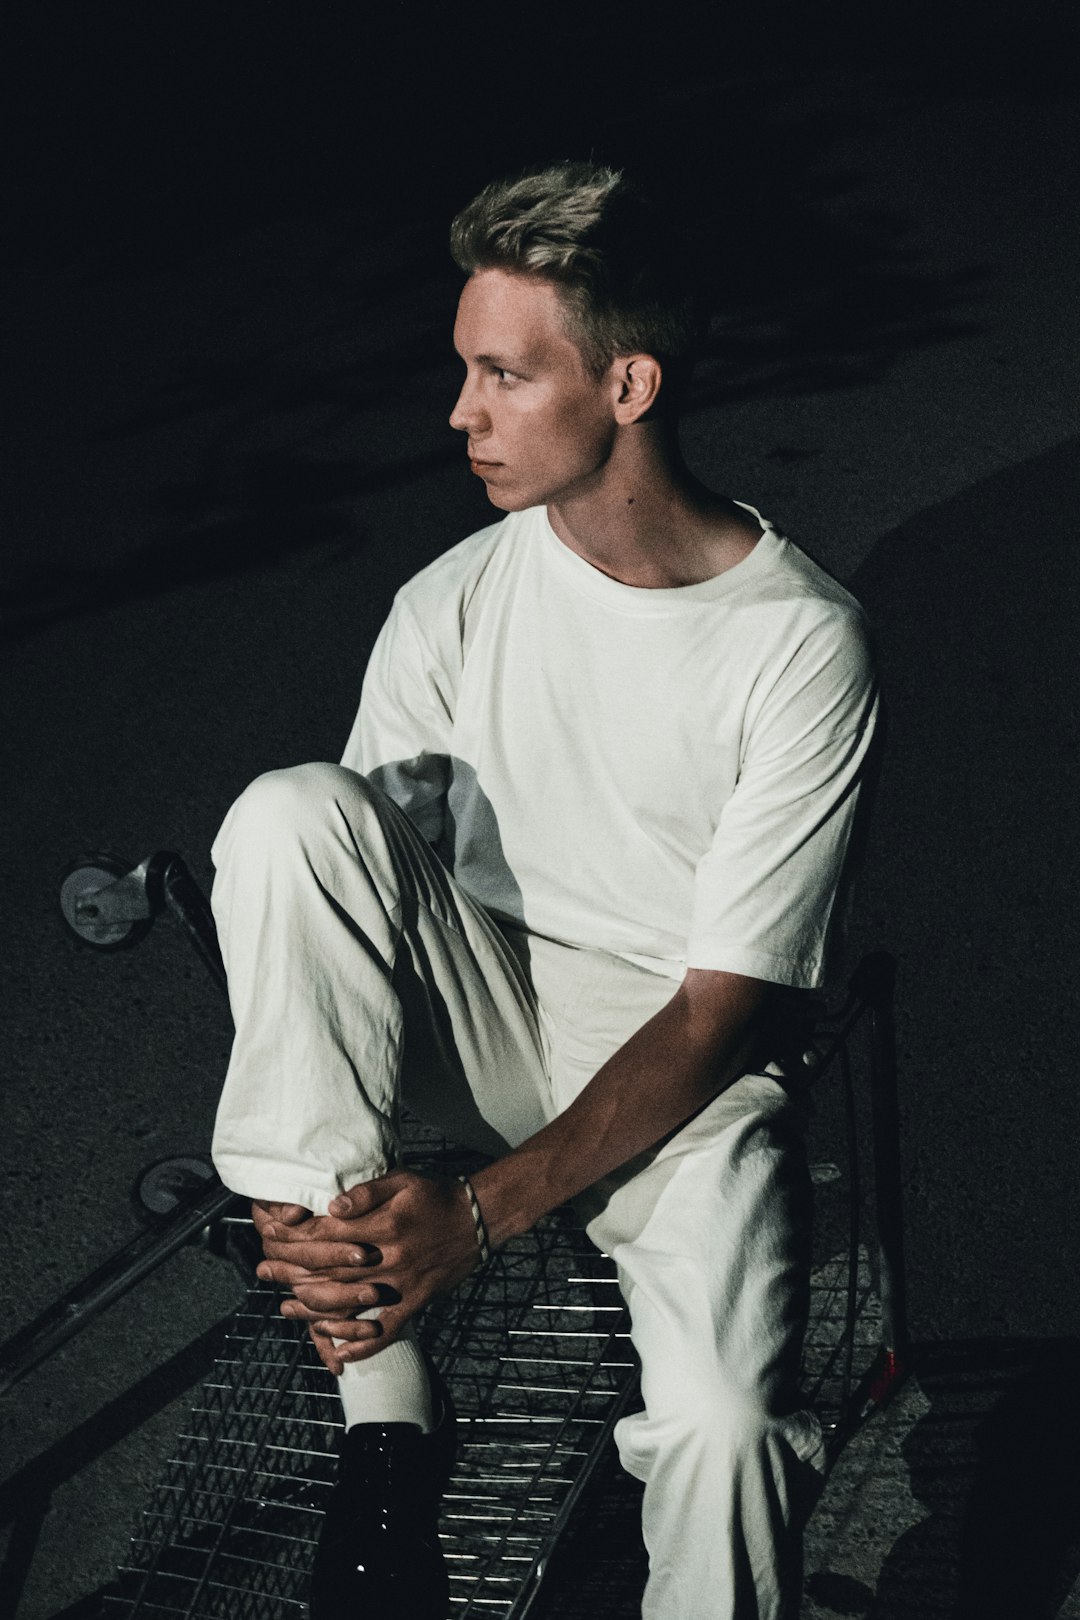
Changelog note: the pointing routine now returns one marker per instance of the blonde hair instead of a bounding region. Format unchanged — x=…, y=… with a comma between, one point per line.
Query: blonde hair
x=590, y=231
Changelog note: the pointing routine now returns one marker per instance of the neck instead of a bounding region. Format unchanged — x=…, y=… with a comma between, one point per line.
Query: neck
x=647, y=521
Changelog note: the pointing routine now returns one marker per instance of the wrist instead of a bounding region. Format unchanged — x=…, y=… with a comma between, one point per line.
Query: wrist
x=479, y=1225
x=507, y=1194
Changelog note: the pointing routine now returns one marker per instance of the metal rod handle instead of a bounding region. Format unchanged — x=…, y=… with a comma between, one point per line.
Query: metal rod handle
x=120, y=1273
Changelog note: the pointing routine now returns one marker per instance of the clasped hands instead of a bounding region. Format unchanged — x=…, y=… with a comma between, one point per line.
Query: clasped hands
x=394, y=1243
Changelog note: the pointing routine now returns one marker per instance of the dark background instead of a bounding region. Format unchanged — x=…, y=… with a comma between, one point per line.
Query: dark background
x=227, y=376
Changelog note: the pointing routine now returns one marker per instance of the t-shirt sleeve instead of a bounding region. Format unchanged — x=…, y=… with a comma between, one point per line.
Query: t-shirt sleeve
x=400, y=738
x=766, y=890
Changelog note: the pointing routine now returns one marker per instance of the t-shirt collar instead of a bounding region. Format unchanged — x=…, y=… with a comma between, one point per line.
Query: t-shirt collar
x=666, y=599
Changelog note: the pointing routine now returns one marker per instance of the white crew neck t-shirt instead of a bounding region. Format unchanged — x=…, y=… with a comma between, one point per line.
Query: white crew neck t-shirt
x=666, y=775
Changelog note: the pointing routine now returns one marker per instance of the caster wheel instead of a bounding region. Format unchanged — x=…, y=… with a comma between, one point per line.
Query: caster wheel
x=163, y=1185
x=78, y=884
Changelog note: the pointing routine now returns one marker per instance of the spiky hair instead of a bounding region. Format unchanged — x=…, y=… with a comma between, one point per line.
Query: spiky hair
x=603, y=244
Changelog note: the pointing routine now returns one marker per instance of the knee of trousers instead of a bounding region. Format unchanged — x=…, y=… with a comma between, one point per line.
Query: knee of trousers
x=286, y=806
x=721, y=1433
x=718, y=1415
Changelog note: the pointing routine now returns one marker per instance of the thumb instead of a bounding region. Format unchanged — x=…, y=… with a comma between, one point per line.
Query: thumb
x=366, y=1196
x=264, y=1211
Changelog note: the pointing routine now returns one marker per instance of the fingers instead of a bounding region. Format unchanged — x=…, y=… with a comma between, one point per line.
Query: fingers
x=264, y=1213
x=321, y=1256
x=327, y=1353
x=367, y=1195
x=355, y=1216
x=387, y=1246
x=287, y=1275
x=312, y=1300
x=324, y=1229
x=357, y=1341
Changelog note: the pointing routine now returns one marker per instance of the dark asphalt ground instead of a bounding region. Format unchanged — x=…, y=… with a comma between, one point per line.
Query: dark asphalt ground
x=229, y=373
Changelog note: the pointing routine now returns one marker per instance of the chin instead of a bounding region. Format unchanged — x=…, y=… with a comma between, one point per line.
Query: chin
x=510, y=500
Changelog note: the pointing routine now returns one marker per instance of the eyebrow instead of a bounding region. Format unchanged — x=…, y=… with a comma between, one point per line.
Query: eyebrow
x=499, y=361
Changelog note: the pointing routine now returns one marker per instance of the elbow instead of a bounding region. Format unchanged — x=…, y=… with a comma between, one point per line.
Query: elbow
x=724, y=1017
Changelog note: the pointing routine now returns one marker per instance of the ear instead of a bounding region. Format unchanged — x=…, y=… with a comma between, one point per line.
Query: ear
x=637, y=379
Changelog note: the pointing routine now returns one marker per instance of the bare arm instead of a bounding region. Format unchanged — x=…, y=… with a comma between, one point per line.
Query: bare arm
x=400, y=1240
x=677, y=1062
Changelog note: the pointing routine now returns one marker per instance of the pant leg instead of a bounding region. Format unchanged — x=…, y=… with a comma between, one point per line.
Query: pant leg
x=711, y=1236
x=357, y=966
x=711, y=1239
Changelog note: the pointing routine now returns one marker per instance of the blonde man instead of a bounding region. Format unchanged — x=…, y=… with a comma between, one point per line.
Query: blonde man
x=583, y=847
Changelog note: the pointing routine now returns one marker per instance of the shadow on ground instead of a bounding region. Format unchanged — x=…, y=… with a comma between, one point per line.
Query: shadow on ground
x=990, y=1466
x=970, y=879
x=994, y=1461
x=26, y=1496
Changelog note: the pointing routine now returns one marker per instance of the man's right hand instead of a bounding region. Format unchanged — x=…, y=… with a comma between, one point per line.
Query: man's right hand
x=325, y=1264
x=386, y=1248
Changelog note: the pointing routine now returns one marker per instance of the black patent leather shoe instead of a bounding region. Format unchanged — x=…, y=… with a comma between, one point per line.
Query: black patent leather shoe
x=380, y=1542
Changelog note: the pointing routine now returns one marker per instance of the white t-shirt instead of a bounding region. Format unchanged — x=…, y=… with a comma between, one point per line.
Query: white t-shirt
x=667, y=775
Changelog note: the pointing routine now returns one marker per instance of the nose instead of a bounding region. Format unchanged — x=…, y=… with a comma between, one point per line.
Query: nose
x=468, y=415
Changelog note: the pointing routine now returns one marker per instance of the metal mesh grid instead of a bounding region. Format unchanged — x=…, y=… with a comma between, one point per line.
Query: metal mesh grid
x=834, y=1356
x=539, y=1366
x=536, y=1353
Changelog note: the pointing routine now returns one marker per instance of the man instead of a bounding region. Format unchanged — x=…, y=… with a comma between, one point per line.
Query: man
x=585, y=842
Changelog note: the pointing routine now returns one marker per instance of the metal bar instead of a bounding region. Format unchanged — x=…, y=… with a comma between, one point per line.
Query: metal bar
x=184, y=1497
x=192, y=911
x=110, y=1282
x=854, y=1213
x=535, y=1578
x=879, y=974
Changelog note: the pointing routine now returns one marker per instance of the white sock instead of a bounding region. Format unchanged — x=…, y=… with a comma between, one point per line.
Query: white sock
x=391, y=1387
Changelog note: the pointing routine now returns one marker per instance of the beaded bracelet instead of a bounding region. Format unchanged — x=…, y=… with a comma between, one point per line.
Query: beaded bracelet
x=478, y=1221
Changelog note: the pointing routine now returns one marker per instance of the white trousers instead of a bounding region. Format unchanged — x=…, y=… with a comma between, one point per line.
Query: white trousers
x=360, y=974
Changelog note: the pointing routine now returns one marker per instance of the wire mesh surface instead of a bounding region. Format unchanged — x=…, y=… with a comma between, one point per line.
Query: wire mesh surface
x=836, y=1355
x=539, y=1365
x=536, y=1353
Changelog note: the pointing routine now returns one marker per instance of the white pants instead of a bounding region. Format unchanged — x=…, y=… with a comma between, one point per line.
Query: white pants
x=361, y=974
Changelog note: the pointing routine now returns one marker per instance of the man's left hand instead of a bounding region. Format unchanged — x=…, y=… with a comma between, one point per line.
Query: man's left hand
x=393, y=1243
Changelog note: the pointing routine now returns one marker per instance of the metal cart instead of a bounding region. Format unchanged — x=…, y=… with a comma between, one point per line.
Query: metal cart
x=535, y=1347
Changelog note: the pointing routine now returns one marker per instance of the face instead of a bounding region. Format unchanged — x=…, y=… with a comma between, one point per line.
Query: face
x=541, y=427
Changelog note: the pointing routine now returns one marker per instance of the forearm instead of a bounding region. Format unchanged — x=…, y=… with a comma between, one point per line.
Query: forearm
x=686, y=1054
x=407, y=1238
